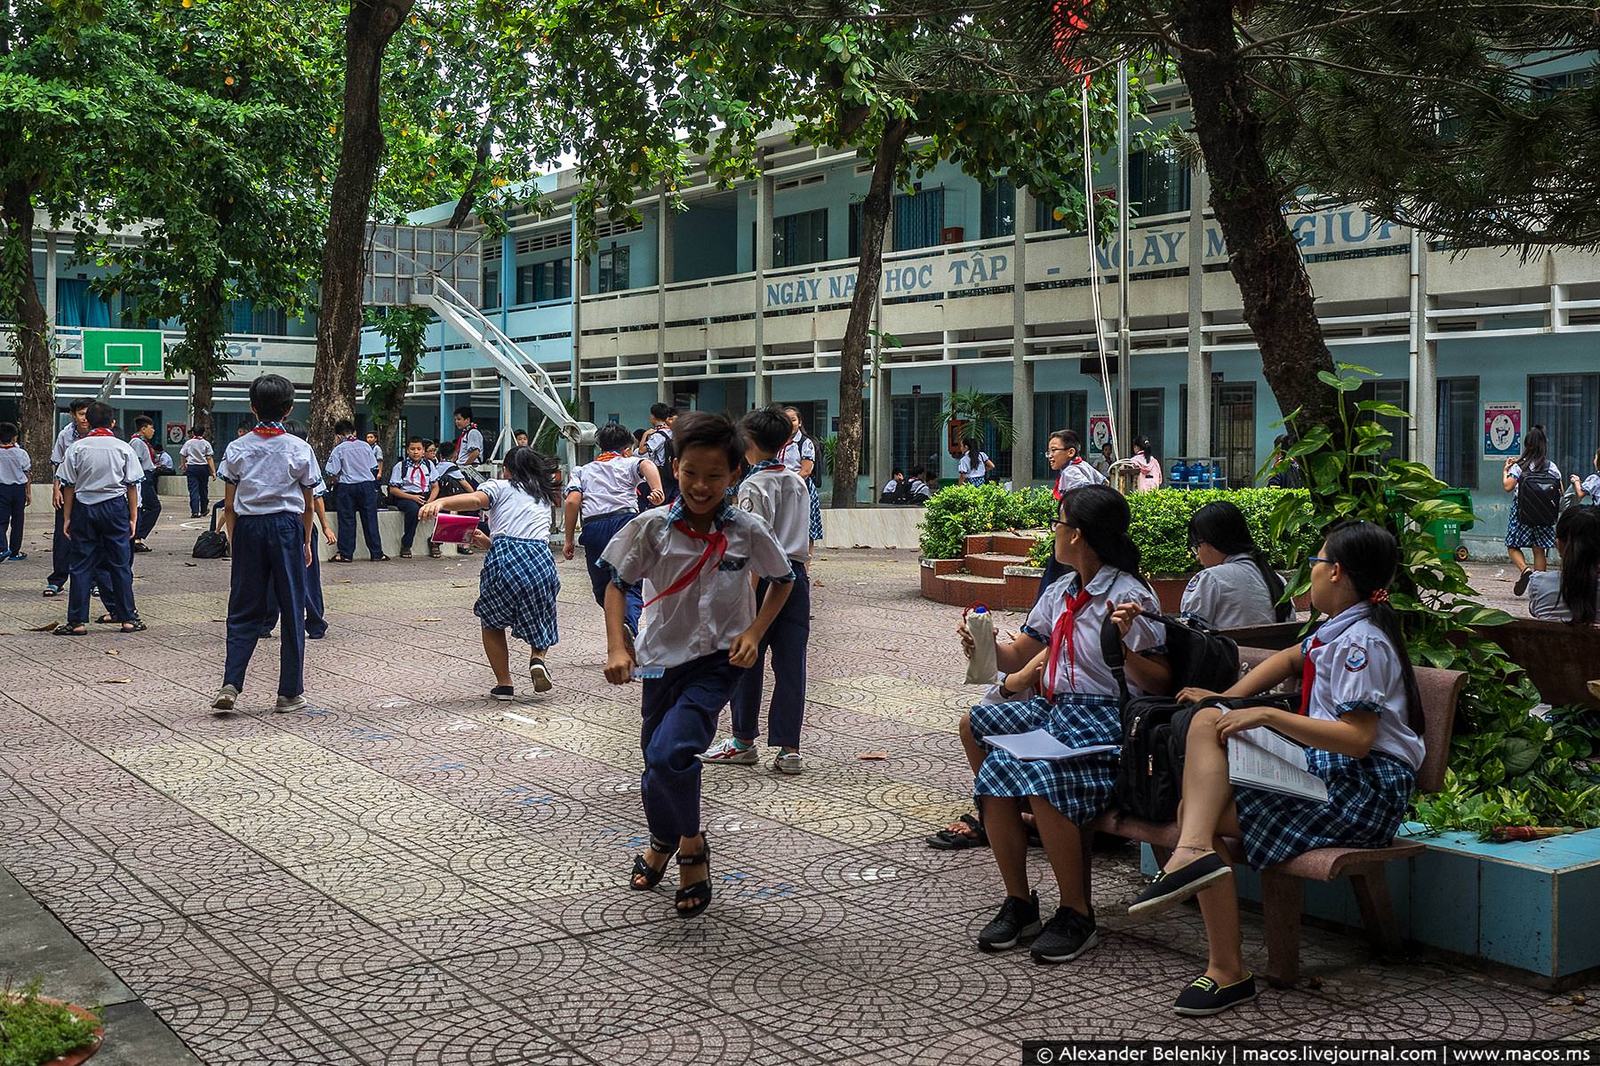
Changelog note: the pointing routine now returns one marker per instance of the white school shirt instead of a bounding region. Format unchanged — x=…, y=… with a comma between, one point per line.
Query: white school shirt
x=1544, y=597
x=974, y=468
x=1591, y=486
x=143, y=452
x=704, y=617
x=1076, y=475
x=891, y=486
x=780, y=498
x=607, y=485
x=471, y=441
x=377, y=453
x=268, y=473
x=514, y=513
x=1229, y=595
x=1092, y=676
x=351, y=462
x=415, y=477
x=15, y=464
x=798, y=450
x=196, y=451
x=64, y=439
x=99, y=468
x=1357, y=669
x=920, y=489
x=658, y=447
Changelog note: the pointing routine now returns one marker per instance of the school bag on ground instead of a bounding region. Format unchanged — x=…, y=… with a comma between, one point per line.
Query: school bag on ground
x=1148, y=781
x=1538, y=497
x=211, y=544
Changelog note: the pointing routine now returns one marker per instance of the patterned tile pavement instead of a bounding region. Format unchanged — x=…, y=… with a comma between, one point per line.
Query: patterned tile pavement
x=409, y=873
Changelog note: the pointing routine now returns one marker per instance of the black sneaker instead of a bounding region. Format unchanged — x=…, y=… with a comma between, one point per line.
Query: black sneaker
x=1018, y=918
x=503, y=693
x=1205, y=996
x=1067, y=935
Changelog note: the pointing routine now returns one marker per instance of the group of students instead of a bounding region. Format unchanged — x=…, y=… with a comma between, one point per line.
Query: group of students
x=1359, y=721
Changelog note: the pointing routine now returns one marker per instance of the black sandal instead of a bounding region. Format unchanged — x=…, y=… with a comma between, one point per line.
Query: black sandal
x=697, y=893
x=134, y=626
x=951, y=839
x=645, y=877
x=66, y=629
x=107, y=620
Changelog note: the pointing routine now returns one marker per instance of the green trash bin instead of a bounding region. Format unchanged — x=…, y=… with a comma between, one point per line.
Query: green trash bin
x=1446, y=533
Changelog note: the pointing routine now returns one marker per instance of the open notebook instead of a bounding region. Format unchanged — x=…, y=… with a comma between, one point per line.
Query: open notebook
x=1260, y=758
x=1040, y=745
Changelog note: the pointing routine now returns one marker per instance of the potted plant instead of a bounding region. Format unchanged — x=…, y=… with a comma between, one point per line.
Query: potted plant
x=973, y=413
x=36, y=1030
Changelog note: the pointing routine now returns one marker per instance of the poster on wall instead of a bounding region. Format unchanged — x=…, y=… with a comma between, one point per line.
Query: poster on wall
x=1099, y=430
x=1502, y=430
x=177, y=432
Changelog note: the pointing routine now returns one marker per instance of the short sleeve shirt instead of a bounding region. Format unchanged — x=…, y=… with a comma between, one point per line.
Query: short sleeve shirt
x=1076, y=475
x=412, y=477
x=351, y=462
x=658, y=446
x=471, y=441
x=608, y=485
x=1229, y=595
x=1084, y=671
x=196, y=451
x=717, y=606
x=15, y=465
x=269, y=473
x=1357, y=669
x=974, y=467
x=780, y=498
x=98, y=469
x=64, y=439
x=514, y=513
x=143, y=452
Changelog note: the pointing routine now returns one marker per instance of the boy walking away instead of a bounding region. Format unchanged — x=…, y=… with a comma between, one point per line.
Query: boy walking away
x=199, y=466
x=15, y=466
x=316, y=613
x=144, y=431
x=518, y=586
x=99, y=478
x=60, y=547
x=267, y=509
x=355, y=491
x=604, y=493
x=658, y=447
x=411, y=487
x=781, y=499
x=697, y=556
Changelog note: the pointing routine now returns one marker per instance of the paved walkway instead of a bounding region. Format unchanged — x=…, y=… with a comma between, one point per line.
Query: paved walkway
x=409, y=873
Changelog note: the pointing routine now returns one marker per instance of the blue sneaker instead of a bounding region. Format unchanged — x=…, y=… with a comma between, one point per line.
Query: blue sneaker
x=17, y=557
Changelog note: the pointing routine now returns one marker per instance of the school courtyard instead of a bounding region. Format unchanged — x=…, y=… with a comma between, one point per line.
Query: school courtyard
x=411, y=873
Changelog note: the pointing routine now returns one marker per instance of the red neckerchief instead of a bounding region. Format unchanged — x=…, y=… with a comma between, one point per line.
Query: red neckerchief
x=268, y=429
x=422, y=475
x=101, y=433
x=1308, y=676
x=1061, y=633
x=470, y=426
x=716, y=543
x=606, y=457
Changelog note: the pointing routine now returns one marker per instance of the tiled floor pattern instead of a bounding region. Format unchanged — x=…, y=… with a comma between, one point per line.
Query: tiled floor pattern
x=409, y=873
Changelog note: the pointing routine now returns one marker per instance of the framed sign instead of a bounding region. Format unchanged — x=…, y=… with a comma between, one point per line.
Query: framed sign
x=1502, y=430
x=1099, y=430
x=177, y=432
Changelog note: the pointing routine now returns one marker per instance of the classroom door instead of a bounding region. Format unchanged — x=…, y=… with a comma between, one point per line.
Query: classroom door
x=1233, y=430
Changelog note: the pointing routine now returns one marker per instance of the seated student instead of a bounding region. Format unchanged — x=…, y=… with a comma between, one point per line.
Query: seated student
x=1238, y=586
x=1360, y=721
x=894, y=488
x=1571, y=593
x=411, y=487
x=1080, y=706
x=430, y=451
x=604, y=494
x=917, y=489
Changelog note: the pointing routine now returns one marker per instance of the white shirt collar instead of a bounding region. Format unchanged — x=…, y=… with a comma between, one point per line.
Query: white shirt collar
x=1339, y=624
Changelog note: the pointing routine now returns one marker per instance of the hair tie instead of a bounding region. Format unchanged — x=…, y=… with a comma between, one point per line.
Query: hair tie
x=1379, y=596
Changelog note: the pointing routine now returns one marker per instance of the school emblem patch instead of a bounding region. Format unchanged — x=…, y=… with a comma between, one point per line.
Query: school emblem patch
x=1356, y=660
x=1194, y=582
x=748, y=504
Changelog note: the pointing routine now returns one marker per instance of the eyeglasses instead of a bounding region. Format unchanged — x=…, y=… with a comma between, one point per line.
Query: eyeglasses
x=1053, y=450
x=1315, y=559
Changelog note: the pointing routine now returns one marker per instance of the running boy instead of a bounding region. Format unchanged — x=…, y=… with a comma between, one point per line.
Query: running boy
x=697, y=555
x=15, y=467
x=780, y=498
x=267, y=510
x=99, y=479
x=355, y=492
x=603, y=493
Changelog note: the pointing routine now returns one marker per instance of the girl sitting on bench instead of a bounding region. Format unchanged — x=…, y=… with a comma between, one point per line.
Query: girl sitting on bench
x=1360, y=722
x=1571, y=593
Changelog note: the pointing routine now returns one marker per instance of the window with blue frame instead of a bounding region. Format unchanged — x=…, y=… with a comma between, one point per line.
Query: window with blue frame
x=613, y=263
x=491, y=287
x=1456, y=446
x=997, y=210
x=1053, y=411
x=244, y=316
x=800, y=238
x=1568, y=407
x=541, y=282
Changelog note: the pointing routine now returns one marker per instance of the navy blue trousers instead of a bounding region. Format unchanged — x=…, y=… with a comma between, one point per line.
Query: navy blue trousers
x=102, y=553
x=13, y=499
x=408, y=512
x=316, y=618
x=786, y=638
x=149, y=505
x=680, y=721
x=268, y=565
x=199, y=489
x=595, y=535
x=362, y=497
x=60, y=554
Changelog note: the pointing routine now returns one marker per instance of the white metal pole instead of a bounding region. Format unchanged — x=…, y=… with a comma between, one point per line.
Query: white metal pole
x=1124, y=341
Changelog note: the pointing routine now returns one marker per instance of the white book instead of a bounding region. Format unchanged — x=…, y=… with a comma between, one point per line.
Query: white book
x=1260, y=758
x=1040, y=745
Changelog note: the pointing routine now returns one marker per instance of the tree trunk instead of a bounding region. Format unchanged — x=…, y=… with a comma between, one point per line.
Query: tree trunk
x=333, y=385
x=869, y=271
x=388, y=413
x=203, y=337
x=34, y=359
x=1279, y=305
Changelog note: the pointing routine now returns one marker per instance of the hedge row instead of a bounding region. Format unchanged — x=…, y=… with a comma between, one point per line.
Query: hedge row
x=1160, y=521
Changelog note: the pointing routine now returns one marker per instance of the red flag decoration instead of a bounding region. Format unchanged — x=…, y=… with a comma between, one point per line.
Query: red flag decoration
x=1071, y=19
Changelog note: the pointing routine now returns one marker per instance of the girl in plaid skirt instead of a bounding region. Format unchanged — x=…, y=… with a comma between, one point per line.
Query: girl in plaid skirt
x=1080, y=708
x=518, y=585
x=1360, y=722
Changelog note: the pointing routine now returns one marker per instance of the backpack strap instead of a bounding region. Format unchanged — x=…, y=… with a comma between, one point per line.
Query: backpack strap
x=1111, y=651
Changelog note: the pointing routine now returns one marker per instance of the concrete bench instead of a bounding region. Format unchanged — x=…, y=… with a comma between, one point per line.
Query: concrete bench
x=1283, y=886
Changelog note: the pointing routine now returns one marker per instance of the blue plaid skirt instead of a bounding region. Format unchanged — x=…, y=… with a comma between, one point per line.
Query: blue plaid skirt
x=816, y=511
x=1367, y=801
x=1521, y=536
x=1079, y=788
x=517, y=590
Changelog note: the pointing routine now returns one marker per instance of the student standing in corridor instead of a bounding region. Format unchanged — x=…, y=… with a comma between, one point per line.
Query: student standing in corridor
x=15, y=467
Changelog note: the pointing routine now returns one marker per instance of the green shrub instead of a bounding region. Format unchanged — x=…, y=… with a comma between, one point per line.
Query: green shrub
x=33, y=1031
x=954, y=513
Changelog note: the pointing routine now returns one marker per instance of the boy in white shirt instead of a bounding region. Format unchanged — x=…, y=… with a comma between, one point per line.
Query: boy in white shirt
x=411, y=487
x=60, y=546
x=781, y=499
x=697, y=556
x=604, y=494
x=199, y=466
x=15, y=467
x=99, y=478
x=144, y=431
x=355, y=492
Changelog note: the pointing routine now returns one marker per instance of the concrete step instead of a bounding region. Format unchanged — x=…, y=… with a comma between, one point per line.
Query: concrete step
x=993, y=564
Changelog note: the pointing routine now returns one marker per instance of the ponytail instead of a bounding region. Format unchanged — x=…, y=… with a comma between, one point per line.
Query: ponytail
x=1369, y=555
x=533, y=473
x=1578, y=537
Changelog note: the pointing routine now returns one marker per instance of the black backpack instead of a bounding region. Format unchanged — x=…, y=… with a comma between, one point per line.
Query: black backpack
x=211, y=544
x=1147, y=776
x=1538, y=497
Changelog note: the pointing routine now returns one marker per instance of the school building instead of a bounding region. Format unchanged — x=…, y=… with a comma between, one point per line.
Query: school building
x=741, y=297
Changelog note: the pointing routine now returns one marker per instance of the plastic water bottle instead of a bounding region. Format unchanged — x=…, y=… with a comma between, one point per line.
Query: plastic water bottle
x=1180, y=472
x=982, y=667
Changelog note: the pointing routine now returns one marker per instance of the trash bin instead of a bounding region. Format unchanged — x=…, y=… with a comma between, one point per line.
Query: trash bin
x=1446, y=533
